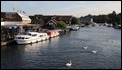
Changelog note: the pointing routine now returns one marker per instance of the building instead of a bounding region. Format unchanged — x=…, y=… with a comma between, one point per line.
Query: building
x=13, y=18
x=51, y=24
x=86, y=20
x=12, y=23
x=50, y=21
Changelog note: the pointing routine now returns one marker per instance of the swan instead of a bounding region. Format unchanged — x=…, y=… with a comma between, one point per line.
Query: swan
x=85, y=47
x=94, y=51
x=69, y=64
x=112, y=41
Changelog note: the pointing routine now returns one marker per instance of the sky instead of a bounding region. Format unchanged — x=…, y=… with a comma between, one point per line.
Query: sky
x=74, y=8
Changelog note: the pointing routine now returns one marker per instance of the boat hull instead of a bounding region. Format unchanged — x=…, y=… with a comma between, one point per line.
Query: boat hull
x=25, y=41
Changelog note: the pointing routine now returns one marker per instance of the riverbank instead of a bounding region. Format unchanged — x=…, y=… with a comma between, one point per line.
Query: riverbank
x=12, y=41
x=7, y=43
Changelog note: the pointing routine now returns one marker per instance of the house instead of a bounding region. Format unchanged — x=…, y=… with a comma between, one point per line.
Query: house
x=50, y=21
x=12, y=23
x=13, y=18
x=66, y=19
x=51, y=24
x=86, y=20
x=53, y=20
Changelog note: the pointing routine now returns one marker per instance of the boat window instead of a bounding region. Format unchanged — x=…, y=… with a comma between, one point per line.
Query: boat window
x=29, y=34
x=41, y=35
x=25, y=33
x=26, y=38
x=34, y=35
x=22, y=37
x=19, y=37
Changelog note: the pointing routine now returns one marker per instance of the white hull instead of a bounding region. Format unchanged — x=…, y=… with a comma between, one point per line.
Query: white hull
x=74, y=27
x=26, y=39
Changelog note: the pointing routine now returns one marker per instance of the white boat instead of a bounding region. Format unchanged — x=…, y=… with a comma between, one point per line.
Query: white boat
x=110, y=25
x=43, y=36
x=30, y=37
x=74, y=27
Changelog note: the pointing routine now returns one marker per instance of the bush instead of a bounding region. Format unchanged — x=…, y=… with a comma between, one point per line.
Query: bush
x=75, y=21
x=61, y=24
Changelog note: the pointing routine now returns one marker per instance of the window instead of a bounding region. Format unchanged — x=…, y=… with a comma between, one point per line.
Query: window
x=34, y=34
x=41, y=35
x=19, y=37
x=22, y=37
x=27, y=38
x=50, y=23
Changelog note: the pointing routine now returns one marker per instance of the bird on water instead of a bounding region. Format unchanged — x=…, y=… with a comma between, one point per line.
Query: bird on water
x=69, y=64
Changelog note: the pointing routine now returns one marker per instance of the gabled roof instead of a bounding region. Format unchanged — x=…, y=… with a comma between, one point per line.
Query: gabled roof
x=24, y=17
x=54, y=21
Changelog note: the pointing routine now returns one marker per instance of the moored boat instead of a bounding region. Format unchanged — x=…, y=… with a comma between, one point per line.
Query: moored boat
x=30, y=37
x=52, y=33
x=74, y=27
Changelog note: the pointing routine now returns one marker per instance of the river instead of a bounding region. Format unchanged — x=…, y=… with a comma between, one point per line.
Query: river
x=56, y=52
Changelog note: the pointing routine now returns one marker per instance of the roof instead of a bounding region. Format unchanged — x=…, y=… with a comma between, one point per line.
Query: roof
x=24, y=17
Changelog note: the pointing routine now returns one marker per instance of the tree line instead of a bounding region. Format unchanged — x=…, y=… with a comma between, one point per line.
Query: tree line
x=113, y=18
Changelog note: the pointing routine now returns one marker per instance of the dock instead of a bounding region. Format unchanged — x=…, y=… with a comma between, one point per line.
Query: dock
x=7, y=42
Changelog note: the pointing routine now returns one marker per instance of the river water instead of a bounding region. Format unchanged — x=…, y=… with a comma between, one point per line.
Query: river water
x=56, y=52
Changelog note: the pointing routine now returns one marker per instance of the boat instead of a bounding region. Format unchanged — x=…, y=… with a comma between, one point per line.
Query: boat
x=105, y=24
x=74, y=27
x=110, y=25
x=30, y=37
x=52, y=33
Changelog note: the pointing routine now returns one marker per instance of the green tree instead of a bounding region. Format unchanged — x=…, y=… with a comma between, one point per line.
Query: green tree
x=119, y=18
x=61, y=24
x=75, y=21
x=38, y=21
x=113, y=17
x=115, y=24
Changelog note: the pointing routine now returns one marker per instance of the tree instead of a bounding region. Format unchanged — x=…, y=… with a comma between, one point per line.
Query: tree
x=119, y=18
x=115, y=24
x=113, y=17
x=38, y=21
x=75, y=21
x=61, y=24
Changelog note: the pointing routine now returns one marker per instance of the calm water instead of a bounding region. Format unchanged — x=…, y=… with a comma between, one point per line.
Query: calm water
x=55, y=53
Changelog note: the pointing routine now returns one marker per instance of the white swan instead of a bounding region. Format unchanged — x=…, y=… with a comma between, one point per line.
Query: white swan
x=94, y=51
x=112, y=41
x=69, y=64
x=85, y=47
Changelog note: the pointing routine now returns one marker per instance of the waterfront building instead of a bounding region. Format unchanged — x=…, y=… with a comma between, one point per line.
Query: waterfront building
x=12, y=23
x=50, y=21
x=86, y=20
